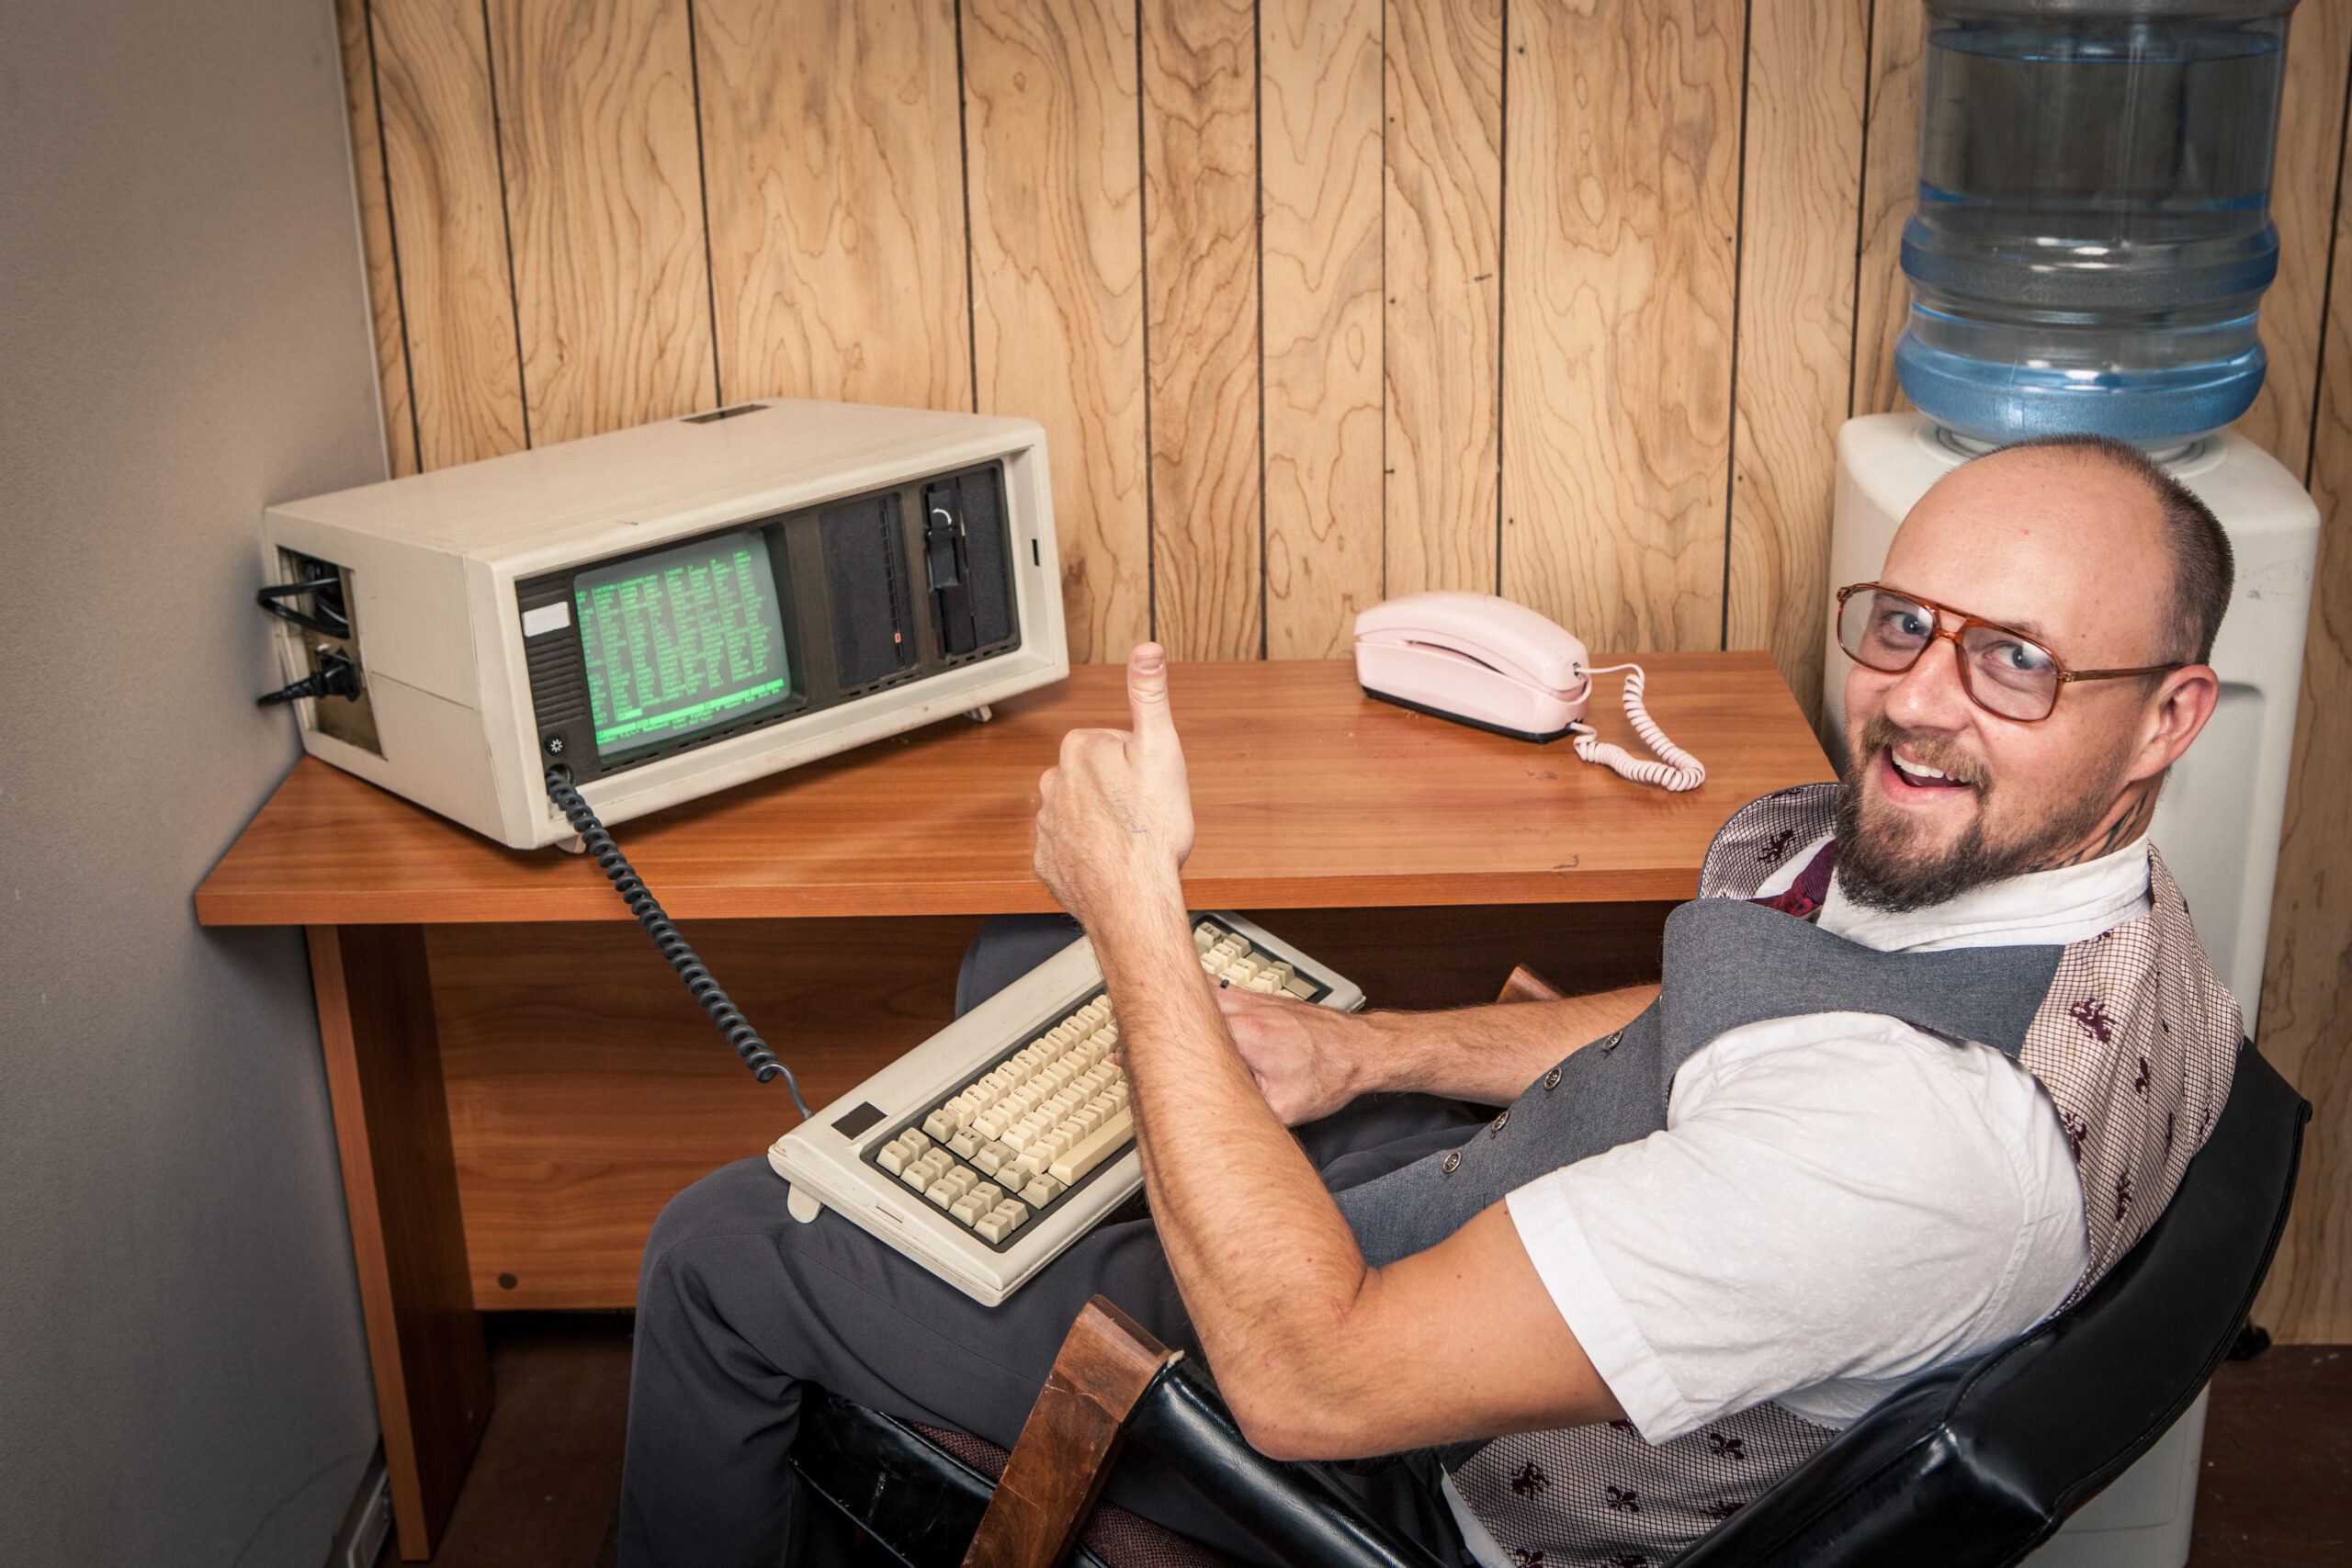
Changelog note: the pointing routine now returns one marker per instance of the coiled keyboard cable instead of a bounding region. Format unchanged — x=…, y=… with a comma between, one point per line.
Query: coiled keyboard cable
x=674, y=947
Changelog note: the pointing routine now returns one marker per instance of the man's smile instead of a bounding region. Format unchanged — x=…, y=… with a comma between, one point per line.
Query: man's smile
x=1905, y=778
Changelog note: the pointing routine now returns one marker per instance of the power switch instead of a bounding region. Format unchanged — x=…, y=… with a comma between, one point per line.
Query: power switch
x=948, y=570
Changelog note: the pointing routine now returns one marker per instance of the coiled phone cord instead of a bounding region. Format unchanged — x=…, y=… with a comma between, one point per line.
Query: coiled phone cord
x=1675, y=772
x=674, y=947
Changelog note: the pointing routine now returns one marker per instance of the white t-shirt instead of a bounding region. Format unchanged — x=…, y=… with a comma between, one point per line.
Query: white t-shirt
x=1840, y=1201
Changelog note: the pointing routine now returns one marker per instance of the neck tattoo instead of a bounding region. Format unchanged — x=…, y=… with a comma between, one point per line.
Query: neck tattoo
x=2125, y=827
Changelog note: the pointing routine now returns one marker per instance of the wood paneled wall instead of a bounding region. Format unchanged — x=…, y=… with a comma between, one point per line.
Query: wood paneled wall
x=1319, y=303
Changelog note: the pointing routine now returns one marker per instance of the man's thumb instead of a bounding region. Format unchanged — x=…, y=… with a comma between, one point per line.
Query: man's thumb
x=1148, y=694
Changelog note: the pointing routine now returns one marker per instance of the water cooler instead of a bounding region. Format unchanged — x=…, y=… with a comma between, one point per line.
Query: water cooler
x=2090, y=246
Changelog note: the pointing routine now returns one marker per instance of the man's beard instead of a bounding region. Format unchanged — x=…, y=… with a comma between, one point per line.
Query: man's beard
x=1879, y=866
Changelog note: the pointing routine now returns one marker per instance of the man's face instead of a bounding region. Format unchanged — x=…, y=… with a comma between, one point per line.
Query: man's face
x=1943, y=795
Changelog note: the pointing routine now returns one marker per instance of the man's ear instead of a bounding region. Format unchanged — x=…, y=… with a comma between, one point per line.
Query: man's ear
x=2176, y=712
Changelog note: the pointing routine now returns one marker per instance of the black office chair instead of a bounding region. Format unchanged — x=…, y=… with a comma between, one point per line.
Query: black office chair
x=1973, y=1465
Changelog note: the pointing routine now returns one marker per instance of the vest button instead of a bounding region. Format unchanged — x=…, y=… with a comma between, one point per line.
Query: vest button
x=1552, y=1079
x=1615, y=1036
x=1500, y=1122
x=1453, y=1162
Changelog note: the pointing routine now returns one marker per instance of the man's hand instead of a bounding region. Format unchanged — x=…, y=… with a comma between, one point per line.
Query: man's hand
x=1308, y=1061
x=1116, y=819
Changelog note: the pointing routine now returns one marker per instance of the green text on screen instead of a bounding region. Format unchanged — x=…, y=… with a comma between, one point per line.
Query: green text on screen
x=680, y=641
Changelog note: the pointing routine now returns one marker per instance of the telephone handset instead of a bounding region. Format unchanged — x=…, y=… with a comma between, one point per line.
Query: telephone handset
x=1485, y=661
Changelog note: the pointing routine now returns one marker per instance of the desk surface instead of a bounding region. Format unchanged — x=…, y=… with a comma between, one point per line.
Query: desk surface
x=1306, y=794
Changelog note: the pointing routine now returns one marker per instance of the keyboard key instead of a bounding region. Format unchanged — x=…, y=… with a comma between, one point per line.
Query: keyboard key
x=966, y=1143
x=939, y=1124
x=980, y=1201
x=1094, y=1148
x=1042, y=1190
x=892, y=1156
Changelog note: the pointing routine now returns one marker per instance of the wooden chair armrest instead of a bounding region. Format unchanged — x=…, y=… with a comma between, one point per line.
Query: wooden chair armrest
x=1063, y=1454
x=1526, y=985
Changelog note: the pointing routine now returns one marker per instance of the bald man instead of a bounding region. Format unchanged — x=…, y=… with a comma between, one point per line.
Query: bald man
x=1931, y=1052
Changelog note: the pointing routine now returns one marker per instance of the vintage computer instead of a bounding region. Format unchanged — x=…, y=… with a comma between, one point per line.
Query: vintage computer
x=665, y=611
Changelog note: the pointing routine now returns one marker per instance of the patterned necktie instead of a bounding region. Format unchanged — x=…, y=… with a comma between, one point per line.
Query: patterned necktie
x=1804, y=896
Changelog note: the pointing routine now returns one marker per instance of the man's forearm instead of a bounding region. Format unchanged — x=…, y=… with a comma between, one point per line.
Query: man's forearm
x=1269, y=1270
x=1488, y=1055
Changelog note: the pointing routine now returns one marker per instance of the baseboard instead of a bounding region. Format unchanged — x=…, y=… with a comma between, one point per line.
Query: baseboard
x=367, y=1524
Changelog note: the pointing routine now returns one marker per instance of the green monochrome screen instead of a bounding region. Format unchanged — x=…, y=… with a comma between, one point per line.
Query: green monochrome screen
x=680, y=642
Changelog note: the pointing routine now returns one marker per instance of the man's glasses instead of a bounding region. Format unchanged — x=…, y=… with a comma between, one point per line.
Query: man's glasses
x=2003, y=670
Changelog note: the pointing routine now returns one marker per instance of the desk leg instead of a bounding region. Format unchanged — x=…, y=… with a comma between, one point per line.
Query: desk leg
x=399, y=1182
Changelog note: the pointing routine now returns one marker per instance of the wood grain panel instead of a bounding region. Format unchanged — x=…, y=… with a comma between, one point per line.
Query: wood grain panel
x=1442, y=253
x=1319, y=74
x=586, y=1089
x=2306, y=1028
x=1890, y=189
x=1459, y=955
x=432, y=83
x=603, y=200
x=1058, y=319
x=834, y=192
x=2302, y=204
x=376, y=235
x=1200, y=95
x=1807, y=64
x=408, y=1242
x=1620, y=195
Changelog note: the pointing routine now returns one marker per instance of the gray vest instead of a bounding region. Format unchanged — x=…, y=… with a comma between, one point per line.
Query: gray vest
x=1728, y=962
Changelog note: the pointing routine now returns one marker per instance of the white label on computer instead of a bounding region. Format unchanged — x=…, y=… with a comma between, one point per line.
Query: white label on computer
x=547, y=618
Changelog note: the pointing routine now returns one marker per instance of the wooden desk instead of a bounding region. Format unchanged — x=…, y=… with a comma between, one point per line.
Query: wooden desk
x=520, y=1083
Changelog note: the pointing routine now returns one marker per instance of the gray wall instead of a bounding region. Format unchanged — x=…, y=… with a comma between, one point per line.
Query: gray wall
x=183, y=339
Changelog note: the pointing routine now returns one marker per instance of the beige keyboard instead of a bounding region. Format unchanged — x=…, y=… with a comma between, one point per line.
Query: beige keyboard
x=994, y=1145
x=1020, y=1136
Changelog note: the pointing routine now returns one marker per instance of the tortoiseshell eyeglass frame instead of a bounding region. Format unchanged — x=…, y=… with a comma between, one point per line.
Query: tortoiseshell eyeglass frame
x=1959, y=655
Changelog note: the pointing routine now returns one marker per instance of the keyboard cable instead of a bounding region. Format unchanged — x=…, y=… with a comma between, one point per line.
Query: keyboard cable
x=674, y=947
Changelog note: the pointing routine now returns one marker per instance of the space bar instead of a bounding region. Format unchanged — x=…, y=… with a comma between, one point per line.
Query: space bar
x=1095, y=1148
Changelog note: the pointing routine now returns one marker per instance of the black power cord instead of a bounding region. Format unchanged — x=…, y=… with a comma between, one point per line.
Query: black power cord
x=683, y=957
x=337, y=677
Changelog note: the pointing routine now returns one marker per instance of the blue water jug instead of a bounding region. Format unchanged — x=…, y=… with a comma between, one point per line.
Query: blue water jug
x=2093, y=233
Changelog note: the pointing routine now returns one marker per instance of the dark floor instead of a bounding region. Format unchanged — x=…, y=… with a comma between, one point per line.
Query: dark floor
x=2277, y=1484
x=2277, y=1491
x=546, y=1484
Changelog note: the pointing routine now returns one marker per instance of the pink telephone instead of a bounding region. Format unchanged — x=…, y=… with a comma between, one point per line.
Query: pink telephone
x=1485, y=661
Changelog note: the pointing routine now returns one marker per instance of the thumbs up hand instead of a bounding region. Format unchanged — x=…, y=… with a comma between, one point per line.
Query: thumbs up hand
x=1116, y=822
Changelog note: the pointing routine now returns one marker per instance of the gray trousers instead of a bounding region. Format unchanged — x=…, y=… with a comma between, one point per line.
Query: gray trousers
x=741, y=1308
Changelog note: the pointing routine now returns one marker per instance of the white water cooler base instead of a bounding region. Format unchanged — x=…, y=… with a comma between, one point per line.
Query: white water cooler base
x=2143, y=1520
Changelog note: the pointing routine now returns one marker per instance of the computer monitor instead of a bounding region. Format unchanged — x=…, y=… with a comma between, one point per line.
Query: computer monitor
x=666, y=611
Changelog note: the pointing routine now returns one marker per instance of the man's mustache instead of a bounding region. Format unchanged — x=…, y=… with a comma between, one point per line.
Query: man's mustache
x=1883, y=733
